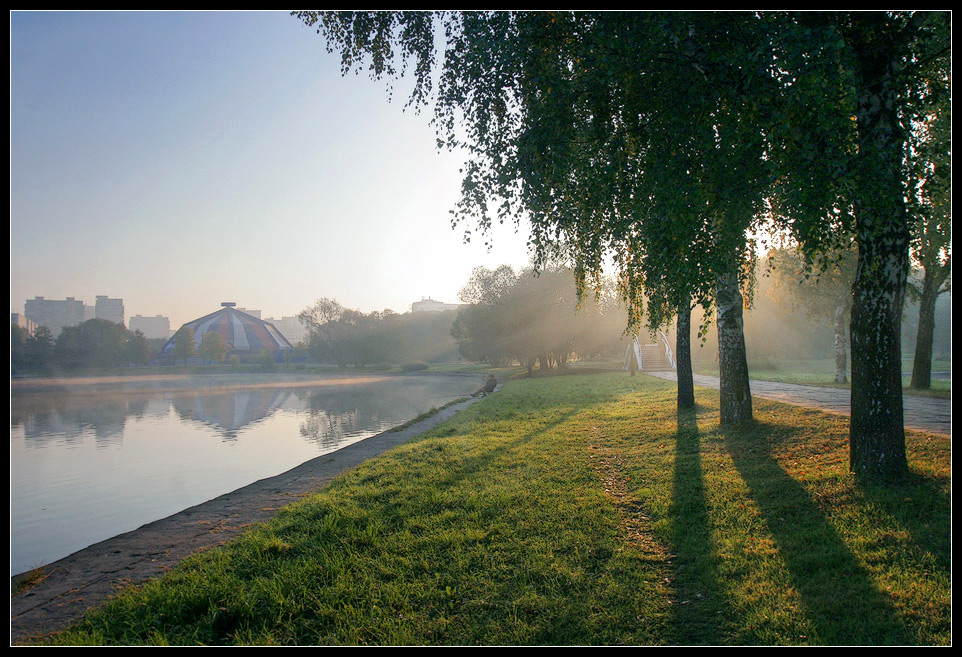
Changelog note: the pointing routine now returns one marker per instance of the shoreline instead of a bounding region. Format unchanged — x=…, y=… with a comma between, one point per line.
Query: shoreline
x=68, y=587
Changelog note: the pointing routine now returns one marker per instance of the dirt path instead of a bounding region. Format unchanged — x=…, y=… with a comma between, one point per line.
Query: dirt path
x=87, y=578
x=923, y=413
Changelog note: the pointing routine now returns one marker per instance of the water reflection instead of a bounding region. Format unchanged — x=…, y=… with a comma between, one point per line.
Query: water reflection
x=46, y=419
x=334, y=410
x=88, y=463
x=227, y=413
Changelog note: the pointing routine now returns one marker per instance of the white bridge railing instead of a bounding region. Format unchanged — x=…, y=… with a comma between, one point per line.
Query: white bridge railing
x=635, y=350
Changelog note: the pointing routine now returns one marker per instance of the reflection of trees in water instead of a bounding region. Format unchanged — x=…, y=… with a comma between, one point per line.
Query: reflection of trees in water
x=336, y=414
x=329, y=430
x=334, y=411
x=66, y=418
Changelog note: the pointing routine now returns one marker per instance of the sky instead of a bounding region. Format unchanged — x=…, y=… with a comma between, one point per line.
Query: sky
x=177, y=160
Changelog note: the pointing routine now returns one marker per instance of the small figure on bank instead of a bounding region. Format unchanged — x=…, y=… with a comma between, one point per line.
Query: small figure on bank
x=489, y=385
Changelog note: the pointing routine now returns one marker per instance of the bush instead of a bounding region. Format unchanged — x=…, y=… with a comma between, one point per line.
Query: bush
x=414, y=367
x=266, y=359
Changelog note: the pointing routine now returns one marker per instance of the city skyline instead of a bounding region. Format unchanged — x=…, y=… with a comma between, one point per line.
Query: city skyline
x=177, y=160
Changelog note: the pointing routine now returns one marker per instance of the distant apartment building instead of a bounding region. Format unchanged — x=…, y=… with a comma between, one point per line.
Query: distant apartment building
x=55, y=314
x=430, y=305
x=157, y=326
x=290, y=327
x=23, y=322
x=252, y=313
x=110, y=309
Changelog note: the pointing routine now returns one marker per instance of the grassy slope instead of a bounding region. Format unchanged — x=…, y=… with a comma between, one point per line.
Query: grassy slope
x=580, y=510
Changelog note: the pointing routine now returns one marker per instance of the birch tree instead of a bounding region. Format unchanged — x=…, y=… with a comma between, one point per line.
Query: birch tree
x=843, y=146
x=574, y=121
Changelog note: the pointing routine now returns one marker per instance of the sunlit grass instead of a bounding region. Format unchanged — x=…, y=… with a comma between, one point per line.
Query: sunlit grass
x=580, y=510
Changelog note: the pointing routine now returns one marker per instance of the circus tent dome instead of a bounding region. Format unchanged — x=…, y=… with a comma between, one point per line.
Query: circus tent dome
x=241, y=332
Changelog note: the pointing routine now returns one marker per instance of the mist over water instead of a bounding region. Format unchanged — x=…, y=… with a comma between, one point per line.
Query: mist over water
x=87, y=464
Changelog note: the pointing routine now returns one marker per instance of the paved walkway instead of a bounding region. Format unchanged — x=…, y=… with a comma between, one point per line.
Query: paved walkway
x=923, y=413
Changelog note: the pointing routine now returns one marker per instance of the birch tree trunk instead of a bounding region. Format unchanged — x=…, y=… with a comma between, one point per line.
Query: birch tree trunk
x=876, y=432
x=841, y=340
x=735, y=396
x=922, y=365
x=683, y=369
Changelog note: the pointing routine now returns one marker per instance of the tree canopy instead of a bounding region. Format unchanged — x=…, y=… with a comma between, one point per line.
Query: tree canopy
x=665, y=140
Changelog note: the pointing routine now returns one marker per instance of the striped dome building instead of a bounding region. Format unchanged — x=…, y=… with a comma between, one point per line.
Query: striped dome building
x=244, y=334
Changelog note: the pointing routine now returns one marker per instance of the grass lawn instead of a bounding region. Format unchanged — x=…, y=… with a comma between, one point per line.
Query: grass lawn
x=580, y=510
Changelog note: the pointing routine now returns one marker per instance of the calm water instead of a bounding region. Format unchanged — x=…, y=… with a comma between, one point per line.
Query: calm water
x=94, y=460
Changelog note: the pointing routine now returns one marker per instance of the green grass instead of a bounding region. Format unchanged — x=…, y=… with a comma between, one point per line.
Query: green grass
x=579, y=510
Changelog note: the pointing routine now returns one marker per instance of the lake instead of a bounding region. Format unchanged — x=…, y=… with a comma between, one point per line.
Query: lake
x=93, y=458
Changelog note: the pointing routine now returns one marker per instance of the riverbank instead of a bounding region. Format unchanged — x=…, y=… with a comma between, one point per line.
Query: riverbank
x=52, y=597
x=580, y=510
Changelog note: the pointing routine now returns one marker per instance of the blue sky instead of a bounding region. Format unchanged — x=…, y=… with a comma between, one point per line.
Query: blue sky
x=181, y=159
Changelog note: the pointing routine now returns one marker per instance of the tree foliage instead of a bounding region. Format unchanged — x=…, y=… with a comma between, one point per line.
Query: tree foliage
x=664, y=139
x=212, y=348
x=184, y=346
x=602, y=129
x=96, y=343
x=346, y=336
x=136, y=349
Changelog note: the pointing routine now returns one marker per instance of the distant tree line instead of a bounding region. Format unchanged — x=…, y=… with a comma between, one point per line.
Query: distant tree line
x=535, y=320
x=507, y=317
x=96, y=343
x=349, y=337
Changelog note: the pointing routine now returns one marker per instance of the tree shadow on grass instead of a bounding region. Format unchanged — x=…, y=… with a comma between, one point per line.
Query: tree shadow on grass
x=698, y=598
x=839, y=596
x=513, y=601
x=927, y=517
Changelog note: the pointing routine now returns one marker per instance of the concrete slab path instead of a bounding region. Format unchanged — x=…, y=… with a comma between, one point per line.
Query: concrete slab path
x=923, y=413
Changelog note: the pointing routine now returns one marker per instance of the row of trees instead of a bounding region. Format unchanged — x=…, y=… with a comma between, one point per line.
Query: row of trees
x=346, y=336
x=212, y=347
x=668, y=141
x=96, y=343
x=507, y=316
x=826, y=295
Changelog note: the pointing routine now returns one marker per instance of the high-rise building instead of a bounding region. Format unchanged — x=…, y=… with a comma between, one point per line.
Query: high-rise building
x=55, y=314
x=430, y=305
x=21, y=320
x=157, y=326
x=110, y=309
x=291, y=327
